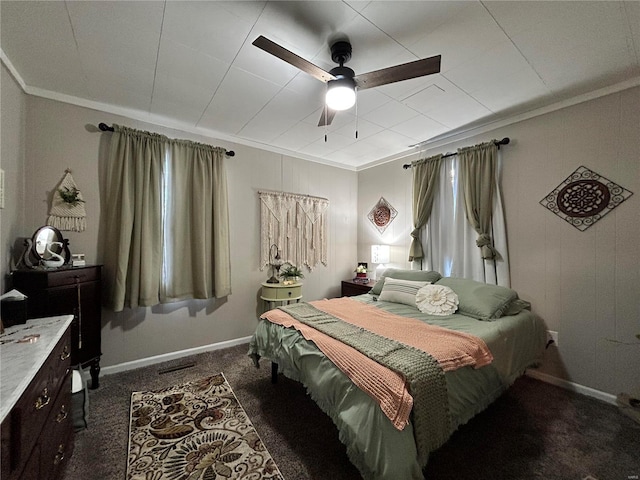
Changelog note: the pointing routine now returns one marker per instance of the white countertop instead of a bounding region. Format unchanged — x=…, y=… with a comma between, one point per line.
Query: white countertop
x=19, y=362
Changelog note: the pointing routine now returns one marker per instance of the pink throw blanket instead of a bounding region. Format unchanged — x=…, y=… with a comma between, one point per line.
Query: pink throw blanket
x=451, y=349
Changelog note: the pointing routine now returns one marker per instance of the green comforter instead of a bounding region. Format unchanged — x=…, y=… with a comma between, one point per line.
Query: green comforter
x=422, y=372
x=374, y=446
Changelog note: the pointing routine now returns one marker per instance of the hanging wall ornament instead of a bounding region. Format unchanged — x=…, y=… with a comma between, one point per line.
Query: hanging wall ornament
x=297, y=225
x=382, y=214
x=584, y=197
x=67, y=206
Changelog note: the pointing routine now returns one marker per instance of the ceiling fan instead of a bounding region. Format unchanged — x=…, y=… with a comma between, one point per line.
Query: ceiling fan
x=342, y=81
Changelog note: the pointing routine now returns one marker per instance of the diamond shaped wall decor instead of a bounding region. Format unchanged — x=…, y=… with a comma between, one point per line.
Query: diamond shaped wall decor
x=584, y=197
x=382, y=214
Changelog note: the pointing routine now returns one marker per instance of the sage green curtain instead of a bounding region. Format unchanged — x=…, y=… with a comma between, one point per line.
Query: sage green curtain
x=425, y=183
x=197, y=261
x=477, y=175
x=166, y=221
x=133, y=233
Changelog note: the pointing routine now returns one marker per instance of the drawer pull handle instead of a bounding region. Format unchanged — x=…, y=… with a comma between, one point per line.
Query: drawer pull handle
x=62, y=415
x=65, y=353
x=43, y=400
x=59, y=456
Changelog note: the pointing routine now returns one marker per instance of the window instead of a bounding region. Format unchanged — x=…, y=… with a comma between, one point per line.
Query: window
x=448, y=238
x=167, y=227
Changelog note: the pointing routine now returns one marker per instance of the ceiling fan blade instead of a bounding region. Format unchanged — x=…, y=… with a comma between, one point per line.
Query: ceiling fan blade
x=327, y=116
x=293, y=59
x=405, y=71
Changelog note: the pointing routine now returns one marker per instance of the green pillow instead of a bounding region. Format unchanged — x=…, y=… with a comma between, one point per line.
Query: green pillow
x=414, y=275
x=480, y=300
x=516, y=307
x=401, y=291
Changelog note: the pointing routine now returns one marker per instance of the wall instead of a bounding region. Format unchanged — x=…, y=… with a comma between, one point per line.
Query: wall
x=12, y=153
x=61, y=135
x=585, y=285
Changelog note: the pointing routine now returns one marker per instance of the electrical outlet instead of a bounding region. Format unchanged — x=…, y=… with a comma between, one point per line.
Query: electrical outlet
x=552, y=337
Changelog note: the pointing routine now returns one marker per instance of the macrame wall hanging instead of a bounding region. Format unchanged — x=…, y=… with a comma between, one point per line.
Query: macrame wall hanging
x=297, y=225
x=67, y=206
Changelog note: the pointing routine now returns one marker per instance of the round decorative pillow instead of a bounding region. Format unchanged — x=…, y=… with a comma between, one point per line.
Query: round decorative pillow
x=437, y=300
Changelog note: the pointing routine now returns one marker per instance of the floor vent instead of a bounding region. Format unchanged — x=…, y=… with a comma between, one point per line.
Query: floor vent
x=182, y=366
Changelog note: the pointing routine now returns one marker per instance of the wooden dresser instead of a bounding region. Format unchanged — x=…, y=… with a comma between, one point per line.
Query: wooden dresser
x=37, y=427
x=73, y=291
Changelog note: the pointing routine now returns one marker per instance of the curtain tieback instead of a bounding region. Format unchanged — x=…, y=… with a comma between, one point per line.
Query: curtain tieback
x=415, y=249
x=484, y=243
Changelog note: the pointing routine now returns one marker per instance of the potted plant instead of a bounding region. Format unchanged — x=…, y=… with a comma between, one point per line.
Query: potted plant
x=290, y=274
x=361, y=271
x=70, y=196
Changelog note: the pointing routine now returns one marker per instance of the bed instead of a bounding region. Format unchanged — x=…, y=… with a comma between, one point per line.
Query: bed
x=380, y=445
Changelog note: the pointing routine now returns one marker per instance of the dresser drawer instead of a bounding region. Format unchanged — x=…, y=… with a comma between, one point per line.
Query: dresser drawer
x=38, y=279
x=290, y=292
x=56, y=443
x=277, y=292
x=30, y=414
x=5, y=447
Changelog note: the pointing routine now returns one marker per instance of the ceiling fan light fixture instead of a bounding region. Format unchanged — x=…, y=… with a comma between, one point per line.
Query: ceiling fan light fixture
x=341, y=94
x=341, y=81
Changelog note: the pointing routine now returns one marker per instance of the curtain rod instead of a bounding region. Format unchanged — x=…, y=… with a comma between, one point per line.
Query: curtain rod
x=274, y=192
x=106, y=128
x=504, y=141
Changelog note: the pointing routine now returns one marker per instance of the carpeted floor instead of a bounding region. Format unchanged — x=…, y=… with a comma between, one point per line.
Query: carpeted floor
x=534, y=431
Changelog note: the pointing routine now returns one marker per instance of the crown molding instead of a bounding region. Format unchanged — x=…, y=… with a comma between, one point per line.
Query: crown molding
x=464, y=133
x=14, y=72
x=435, y=142
x=159, y=120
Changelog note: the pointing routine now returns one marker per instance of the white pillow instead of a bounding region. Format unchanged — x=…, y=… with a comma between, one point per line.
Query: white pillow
x=436, y=300
x=400, y=291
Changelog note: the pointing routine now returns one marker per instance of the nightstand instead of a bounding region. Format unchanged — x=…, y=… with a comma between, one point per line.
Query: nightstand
x=279, y=293
x=351, y=288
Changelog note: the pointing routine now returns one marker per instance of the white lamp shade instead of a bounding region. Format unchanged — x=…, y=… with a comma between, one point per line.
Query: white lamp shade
x=380, y=253
x=340, y=97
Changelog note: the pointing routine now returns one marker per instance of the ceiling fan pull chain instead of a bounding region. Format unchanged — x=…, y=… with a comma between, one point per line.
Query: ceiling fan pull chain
x=356, y=92
x=326, y=113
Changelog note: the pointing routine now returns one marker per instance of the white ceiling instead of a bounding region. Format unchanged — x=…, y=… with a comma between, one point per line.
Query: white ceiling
x=191, y=65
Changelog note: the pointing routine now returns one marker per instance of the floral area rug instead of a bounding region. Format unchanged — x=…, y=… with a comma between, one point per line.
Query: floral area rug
x=195, y=431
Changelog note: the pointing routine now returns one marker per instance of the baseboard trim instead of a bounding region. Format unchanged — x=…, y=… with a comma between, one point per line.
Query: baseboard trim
x=145, y=362
x=573, y=387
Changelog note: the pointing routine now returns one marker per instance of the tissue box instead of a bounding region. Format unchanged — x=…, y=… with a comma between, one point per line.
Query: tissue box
x=77, y=260
x=13, y=311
